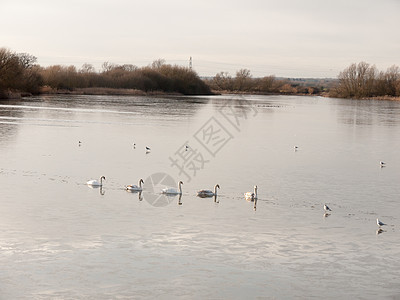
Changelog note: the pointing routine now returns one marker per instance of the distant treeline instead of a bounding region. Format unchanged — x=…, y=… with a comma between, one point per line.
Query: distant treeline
x=243, y=82
x=19, y=74
x=157, y=77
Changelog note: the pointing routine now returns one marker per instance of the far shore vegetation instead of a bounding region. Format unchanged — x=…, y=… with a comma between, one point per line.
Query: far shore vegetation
x=20, y=75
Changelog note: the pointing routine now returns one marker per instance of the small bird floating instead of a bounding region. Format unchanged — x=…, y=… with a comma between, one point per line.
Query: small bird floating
x=379, y=223
x=326, y=208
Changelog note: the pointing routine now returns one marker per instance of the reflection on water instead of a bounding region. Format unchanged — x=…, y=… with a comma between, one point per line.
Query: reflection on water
x=61, y=239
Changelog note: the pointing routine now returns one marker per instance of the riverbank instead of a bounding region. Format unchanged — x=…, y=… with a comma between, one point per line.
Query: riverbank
x=103, y=91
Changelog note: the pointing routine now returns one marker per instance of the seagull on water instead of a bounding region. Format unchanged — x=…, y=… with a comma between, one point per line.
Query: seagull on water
x=379, y=223
x=382, y=163
x=326, y=208
x=148, y=149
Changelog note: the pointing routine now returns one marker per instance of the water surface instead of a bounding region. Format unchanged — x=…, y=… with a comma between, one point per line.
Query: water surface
x=62, y=239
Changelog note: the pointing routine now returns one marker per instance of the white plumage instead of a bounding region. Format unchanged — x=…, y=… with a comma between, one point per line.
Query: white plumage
x=94, y=182
x=251, y=196
x=134, y=187
x=208, y=193
x=173, y=191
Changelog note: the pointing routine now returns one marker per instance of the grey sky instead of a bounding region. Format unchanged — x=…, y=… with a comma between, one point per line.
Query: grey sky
x=293, y=38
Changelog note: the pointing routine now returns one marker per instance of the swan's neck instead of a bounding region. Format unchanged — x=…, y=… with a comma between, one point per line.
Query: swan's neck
x=180, y=188
x=140, y=183
x=215, y=190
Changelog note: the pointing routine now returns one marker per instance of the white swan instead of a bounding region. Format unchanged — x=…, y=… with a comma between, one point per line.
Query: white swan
x=251, y=196
x=208, y=193
x=94, y=182
x=173, y=191
x=134, y=187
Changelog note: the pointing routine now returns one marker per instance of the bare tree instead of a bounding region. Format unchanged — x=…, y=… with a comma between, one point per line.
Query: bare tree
x=357, y=81
x=157, y=64
x=243, y=80
x=87, y=68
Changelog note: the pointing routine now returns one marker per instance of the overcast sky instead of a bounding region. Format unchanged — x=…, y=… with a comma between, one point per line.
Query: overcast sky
x=290, y=38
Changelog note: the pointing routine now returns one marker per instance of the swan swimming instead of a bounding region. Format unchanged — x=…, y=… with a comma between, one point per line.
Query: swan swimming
x=251, y=196
x=173, y=191
x=208, y=193
x=134, y=187
x=94, y=182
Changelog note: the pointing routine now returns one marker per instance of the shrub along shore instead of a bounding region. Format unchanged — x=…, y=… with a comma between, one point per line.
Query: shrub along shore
x=21, y=76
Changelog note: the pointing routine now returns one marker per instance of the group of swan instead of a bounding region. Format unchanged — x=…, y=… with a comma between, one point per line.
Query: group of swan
x=250, y=196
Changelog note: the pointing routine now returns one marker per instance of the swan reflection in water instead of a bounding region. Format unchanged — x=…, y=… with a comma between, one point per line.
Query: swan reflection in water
x=100, y=187
x=180, y=199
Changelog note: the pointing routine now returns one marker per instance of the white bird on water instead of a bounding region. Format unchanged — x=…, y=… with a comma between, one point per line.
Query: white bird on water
x=94, y=182
x=251, y=196
x=380, y=223
x=208, y=193
x=134, y=187
x=326, y=208
x=147, y=149
x=173, y=191
x=382, y=164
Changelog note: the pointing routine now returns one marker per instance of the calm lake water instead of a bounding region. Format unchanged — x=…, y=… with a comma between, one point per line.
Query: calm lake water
x=62, y=239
